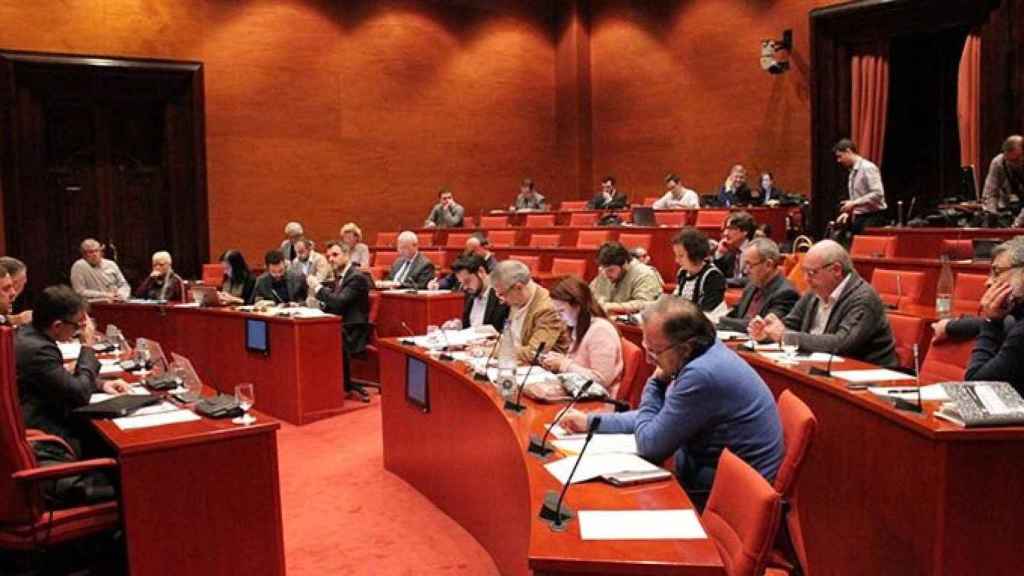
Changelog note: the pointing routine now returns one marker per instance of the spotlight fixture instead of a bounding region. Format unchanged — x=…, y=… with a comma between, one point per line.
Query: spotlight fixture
x=771, y=61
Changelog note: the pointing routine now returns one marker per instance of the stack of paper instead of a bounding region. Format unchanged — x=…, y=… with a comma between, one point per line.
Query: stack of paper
x=101, y=396
x=156, y=415
x=537, y=376
x=930, y=392
x=640, y=525
x=70, y=350
x=804, y=356
x=600, y=444
x=871, y=375
x=596, y=465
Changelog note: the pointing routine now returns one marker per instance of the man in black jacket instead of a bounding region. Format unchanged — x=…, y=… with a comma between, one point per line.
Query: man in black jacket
x=412, y=269
x=608, y=198
x=482, y=306
x=350, y=299
x=768, y=291
x=278, y=284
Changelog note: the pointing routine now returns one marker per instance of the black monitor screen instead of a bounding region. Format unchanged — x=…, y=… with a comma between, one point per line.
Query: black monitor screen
x=416, y=390
x=257, y=337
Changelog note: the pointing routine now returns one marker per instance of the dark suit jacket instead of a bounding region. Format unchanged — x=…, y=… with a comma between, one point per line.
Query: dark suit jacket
x=264, y=289
x=350, y=299
x=451, y=281
x=999, y=350
x=779, y=298
x=738, y=197
x=857, y=327
x=495, y=314
x=421, y=273
x=244, y=291
x=48, y=393
x=618, y=202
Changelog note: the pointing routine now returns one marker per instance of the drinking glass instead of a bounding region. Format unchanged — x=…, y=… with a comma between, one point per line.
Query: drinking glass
x=246, y=397
x=433, y=335
x=142, y=355
x=790, y=344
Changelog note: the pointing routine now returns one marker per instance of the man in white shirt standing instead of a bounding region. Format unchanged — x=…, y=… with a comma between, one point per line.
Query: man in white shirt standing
x=677, y=196
x=95, y=277
x=866, y=206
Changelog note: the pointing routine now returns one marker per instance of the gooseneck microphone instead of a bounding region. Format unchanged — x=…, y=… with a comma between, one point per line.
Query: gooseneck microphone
x=404, y=341
x=482, y=376
x=540, y=447
x=516, y=406
x=552, y=509
x=827, y=370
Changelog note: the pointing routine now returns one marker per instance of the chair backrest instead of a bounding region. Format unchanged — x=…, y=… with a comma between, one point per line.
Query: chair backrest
x=494, y=221
x=532, y=262
x=545, y=240
x=674, y=219
x=569, y=205
x=968, y=290
x=798, y=424
x=631, y=241
x=633, y=378
x=438, y=257
x=742, y=516
x=540, y=220
x=502, y=238
x=592, y=238
x=374, y=306
x=468, y=222
x=15, y=452
x=898, y=287
x=384, y=259
x=650, y=200
x=583, y=218
x=907, y=331
x=387, y=238
x=873, y=246
x=457, y=239
x=213, y=274
x=425, y=238
x=711, y=218
x=957, y=249
x=947, y=360
x=569, y=267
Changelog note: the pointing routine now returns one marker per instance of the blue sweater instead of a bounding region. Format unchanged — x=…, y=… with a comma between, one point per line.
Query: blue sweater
x=717, y=401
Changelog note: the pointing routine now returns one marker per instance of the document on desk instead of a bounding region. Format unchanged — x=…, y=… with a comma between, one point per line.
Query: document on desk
x=873, y=375
x=600, y=444
x=158, y=415
x=454, y=338
x=110, y=368
x=70, y=350
x=727, y=335
x=305, y=312
x=930, y=392
x=537, y=376
x=804, y=356
x=596, y=465
x=640, y=525
x=101, y=396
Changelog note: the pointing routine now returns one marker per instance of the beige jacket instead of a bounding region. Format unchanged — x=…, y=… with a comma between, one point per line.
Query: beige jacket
x=541, y=324
x=639, y=286
x=318, y=266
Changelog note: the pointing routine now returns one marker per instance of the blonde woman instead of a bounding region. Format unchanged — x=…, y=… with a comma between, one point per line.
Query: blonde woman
x=352, y=236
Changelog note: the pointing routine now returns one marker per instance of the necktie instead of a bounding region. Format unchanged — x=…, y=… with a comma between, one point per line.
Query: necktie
x=400, y=277
x=755, y=304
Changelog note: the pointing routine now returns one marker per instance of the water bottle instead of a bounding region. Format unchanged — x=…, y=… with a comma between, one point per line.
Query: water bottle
x=506, y=361
x=944, y=289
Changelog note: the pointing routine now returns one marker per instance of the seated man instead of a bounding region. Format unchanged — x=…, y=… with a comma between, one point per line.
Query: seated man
x=739, y=231
x=701, y=399
x=411, y=269
x=482, y=305
x=999, y=350
x=640, y=254
x=348, y=298
x=47, y=390
x=735, y=191
x=6, y=297
x=277, y=284
x=162, y=283
x=446, y=213
x=19, y=277
x=677, y=196
x=476, y=245
x=309, y=262
x=608, y=198
x=97, y=278
x=532, y=317
x=840, y=314
x=768, y=291
x=293, y=233
x=623, y=286
x=529, y=199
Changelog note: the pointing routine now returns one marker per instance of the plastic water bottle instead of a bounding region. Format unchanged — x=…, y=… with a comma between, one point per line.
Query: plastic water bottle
x=944, y=290
x=506, y=360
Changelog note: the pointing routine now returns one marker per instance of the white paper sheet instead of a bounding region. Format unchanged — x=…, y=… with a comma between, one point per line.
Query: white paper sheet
x=135, y=422
x=600, y=444
x=453, y=338
x=640, y=525
x=70, y=350
x=101, y=396
x=930, y=392
x=805, y=356
x=726, y=335
x=595, y=465
x=873, y=375
x=537, y=375
x=110, y=368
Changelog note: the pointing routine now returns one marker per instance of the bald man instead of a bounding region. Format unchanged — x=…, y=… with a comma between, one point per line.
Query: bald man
x=95, y=277
x=412, y=269
x=840, y=313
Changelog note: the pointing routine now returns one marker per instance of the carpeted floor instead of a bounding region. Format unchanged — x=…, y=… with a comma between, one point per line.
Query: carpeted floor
x=344, y=514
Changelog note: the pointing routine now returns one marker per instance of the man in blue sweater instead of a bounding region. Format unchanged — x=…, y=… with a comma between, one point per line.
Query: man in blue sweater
x=701, y=399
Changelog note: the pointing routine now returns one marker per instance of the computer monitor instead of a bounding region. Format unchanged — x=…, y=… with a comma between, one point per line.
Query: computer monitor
x=205, y=296
x=643, y=216
x=417, y=390
x=257, y=336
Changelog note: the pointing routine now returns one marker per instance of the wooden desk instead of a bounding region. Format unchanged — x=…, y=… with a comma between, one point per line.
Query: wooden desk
x=469, y=458
x=927, y=242
x=416, y=310
x=299, y=380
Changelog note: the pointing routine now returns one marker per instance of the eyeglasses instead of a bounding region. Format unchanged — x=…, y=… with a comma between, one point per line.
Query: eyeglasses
x=998, y=271
x=653, y=355
x=75, y=323
x=811, y=272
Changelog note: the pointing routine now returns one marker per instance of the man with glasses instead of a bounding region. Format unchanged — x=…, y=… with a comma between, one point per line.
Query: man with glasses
x=623, y=285
x=702, y=399
x=532, y=317
x=739, y=231
x=767, y=293
x=97, y=278
x=482, y=305
x=47, y=391
x=840, y=313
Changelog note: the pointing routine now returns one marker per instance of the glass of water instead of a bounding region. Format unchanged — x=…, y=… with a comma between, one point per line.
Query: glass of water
x=246, y=397
x=790, y=345
x=434, y=336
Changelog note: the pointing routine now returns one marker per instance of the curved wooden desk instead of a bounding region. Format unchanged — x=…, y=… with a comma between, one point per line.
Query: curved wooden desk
x=468, y=456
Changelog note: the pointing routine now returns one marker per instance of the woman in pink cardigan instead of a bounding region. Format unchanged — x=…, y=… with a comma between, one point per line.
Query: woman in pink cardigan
x=596, y=350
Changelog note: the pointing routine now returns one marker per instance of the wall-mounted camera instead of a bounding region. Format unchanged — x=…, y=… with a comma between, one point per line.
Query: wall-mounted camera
x=775, y=53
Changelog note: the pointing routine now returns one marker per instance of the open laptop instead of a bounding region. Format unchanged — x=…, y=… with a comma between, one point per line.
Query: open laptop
x=206, y=296
x=643, y=216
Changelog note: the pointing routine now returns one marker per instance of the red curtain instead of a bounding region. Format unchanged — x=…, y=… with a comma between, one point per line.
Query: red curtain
x=870, y=102
x=967, y=103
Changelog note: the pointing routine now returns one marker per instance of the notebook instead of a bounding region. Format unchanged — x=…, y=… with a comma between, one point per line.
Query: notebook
x=117, y=406
x=976, y=404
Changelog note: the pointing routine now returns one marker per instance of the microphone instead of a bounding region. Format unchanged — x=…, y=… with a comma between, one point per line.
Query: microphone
x=827, y=370
x=552, y=509
x=540, y=447
x=516, y=406
x=482, y=376
x=620, y=406
x=406, y=342
x=900, y=403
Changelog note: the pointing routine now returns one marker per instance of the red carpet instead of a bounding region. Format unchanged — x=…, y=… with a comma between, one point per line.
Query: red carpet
x=344, y=514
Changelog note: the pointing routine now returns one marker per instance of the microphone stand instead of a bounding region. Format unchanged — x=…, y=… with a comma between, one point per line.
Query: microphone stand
x=552, y=510
x=411, y=333
x=516, y=406
x=900, y=403
x=540, y=447
x=482, y=376
x=827, y=371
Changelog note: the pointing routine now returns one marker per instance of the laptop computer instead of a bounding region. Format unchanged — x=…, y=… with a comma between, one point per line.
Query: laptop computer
x=206, y=296
x=643, y=216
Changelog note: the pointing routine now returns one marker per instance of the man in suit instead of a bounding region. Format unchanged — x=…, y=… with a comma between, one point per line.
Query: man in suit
x=739, y=231
x=840, y=314
x=866, y=206
x=768, y=291
x=532, y=317
x=309, y=262
x=278, y=284
x=350, y=299
x=608, y=198
x=411, y=269
x=482, y=307
x=446, y=213
x=476, y=245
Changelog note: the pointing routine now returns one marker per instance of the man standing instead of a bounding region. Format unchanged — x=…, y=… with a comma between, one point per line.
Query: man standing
x=677, y=196
x=1004, y=184
x=97, y=278
x=446, y=213
x=623, y=286
x=412, y=269
x=840, y=314
x=532, y=315
x=608, y=198
x=767, y=292
x=162, y=283
x=309, y=262
x=278, y=284
x=866, y=206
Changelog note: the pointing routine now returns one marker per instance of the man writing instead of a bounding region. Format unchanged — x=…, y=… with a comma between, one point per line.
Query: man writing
x=623, y=286
x=767, y=292
x=677, y=196
x=412, y=269
x=277, y=284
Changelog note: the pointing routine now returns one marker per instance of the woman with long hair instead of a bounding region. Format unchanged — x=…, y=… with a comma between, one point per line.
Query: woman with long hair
x=236, y=288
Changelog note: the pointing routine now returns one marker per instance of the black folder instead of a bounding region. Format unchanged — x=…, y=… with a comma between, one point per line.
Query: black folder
x=117, y=406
